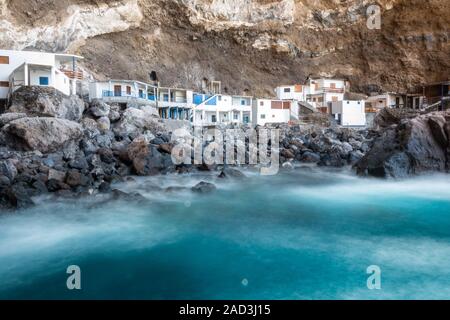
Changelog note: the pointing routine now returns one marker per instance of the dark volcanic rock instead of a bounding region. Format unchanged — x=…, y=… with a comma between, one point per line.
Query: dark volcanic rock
x=36, y=101
x=229, y=172
x=8, y=117
x=204, y=187
x=16, y=197
x=412, y=147
x=8, y=169
x=99, y=109
x=42, y=134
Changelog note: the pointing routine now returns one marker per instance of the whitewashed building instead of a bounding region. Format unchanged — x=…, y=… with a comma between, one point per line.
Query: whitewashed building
x=172, y=103
x=386, y=100
x=349, y=113
x=322, y=92
x=30, y=68
x=123, y=92
x=212, y=110
x=266, y=111
x=175, y=103
x=297, y=92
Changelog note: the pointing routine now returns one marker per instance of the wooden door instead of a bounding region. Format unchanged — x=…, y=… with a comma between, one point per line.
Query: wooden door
x=117, y=91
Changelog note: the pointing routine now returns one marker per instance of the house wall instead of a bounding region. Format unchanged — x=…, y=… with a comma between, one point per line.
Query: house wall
x=223, y=108
x=263, y=113
x=296, y=92
x=16, y=59
x=62, y=82
x=385, y=100
x=325, y=83
x=352, y=113
x=37, y=62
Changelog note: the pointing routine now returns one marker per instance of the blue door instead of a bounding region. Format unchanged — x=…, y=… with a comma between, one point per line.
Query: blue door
x=43, y=81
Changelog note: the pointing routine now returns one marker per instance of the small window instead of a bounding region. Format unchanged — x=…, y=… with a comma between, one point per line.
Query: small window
x=242, y=102
x=213, y=118
x=273, y=116
x=263, y=116
x=333, y=85
x=4, y=84
x=236, y=116
x=220, y=98
x=128, y=90
x=4, y=60
x=261, y=103
x=43, y=81
x=287, y=90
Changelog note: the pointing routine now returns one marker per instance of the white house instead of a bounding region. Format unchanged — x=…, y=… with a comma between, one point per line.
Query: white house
x=386, y=100
x=266, y=111
x=26, y=68
x=175, y=103
x=210, y=110
x=324, y=91
x=297, y=92
x=349, y=113
x=172, y=103
x=123, y=92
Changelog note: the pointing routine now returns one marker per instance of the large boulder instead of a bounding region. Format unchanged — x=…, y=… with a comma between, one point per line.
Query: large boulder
x=414, y=146
x=99, y=109
x=8, y=169
x=8, y=117
x=146, y=159
x=46, y=102
x=136, y=121
x=42, y=134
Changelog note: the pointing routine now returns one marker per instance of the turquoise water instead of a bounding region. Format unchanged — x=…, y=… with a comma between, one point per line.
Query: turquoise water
x=308, y=234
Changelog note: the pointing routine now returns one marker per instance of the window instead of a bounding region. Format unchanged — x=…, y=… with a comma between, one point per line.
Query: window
x=242, y=102
x=273, y=116
x=263, y=116
x=220, y=98
x=213, y=118
x=333, y=85
x=4, y=84
x=128, y=90
x=261, y=103
x=4, y=60
x=43, y=81
x=287, y=90
x=236, y=116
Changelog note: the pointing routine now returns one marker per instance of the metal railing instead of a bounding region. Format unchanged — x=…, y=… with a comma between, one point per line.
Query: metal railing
x=71, y=74
x=127, y=95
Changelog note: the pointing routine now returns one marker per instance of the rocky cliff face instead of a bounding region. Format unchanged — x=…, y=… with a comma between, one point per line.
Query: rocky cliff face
x=250, y=45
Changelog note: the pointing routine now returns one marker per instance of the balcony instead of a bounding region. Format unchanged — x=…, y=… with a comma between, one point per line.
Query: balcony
x=75, y=75
x=331, y=90
x=124, y=96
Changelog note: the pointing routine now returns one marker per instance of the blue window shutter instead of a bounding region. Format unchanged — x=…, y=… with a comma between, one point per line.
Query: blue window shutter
x=43, y=81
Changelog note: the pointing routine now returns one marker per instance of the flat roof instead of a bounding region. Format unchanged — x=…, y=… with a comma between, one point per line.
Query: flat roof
x=68, y=55
x=126, y=81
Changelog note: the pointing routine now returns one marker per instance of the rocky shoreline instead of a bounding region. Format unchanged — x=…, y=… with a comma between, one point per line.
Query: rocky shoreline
x=50, y=143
